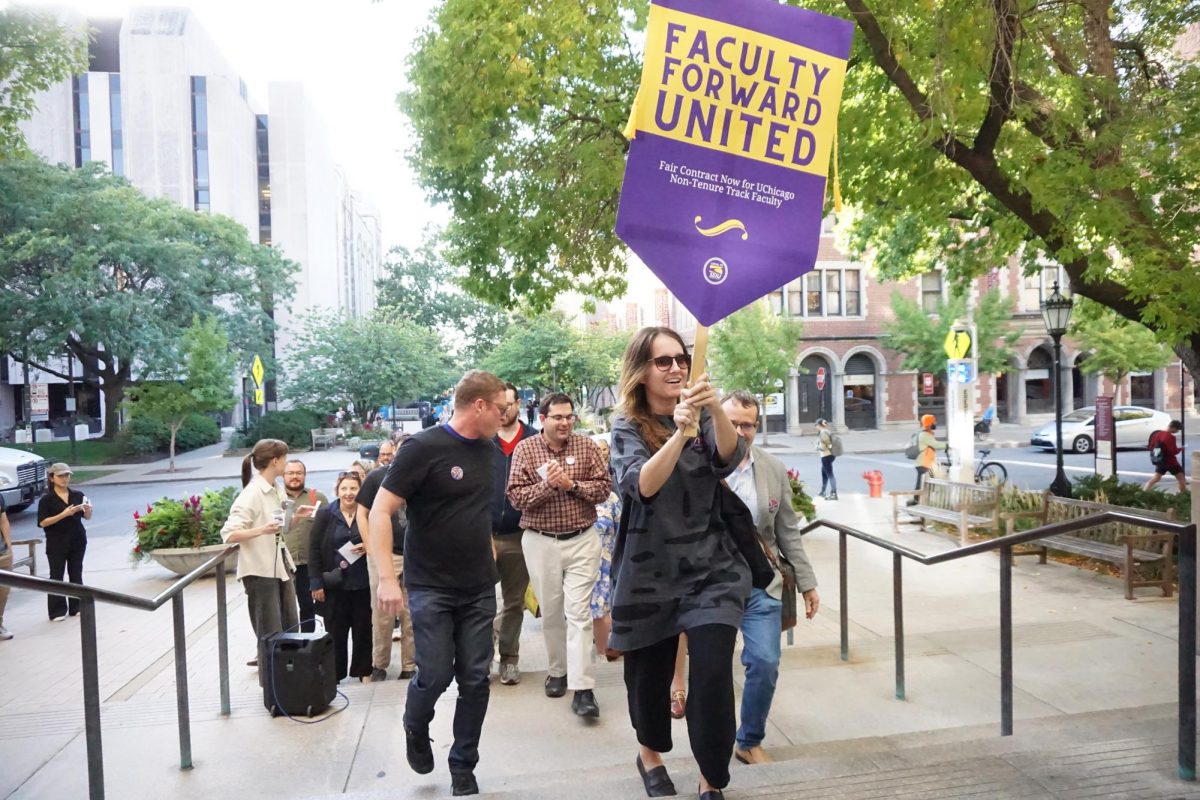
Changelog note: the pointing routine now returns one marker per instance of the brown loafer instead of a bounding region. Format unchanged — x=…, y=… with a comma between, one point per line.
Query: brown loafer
x=678, y=704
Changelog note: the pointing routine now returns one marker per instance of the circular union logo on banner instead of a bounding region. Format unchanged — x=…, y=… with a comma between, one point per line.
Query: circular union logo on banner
x=456, y=473
x=715, y=271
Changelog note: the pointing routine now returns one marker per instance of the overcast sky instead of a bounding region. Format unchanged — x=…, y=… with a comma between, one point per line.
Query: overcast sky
x=350, y=55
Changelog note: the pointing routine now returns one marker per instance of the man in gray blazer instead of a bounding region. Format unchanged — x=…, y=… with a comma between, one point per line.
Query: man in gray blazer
x=761, y=482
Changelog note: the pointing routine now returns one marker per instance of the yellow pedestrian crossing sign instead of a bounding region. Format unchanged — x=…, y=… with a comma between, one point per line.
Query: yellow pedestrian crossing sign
x=256, y=372
x=259, y=397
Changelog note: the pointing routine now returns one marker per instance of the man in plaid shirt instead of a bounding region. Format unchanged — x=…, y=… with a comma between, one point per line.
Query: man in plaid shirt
x=556, y=481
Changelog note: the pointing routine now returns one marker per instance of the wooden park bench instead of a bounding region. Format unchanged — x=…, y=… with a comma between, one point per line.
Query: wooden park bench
x=326, y=437
x=29, y=561
x=962, y=505
x=1118, y=543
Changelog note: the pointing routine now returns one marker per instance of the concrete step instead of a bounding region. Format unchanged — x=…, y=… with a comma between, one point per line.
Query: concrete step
x=1128, y=753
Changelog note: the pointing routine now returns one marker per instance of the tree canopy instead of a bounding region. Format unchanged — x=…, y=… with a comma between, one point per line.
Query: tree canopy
x=35, y=53
x=371, y=362
x=1115, y=346
x=754, y=350
x=422, y=288
x=921, y=337
x=207, y=386
x=970, y=133
x=93, y=266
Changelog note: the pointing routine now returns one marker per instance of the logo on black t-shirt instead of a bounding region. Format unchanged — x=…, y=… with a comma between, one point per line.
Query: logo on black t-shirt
x=456, y=473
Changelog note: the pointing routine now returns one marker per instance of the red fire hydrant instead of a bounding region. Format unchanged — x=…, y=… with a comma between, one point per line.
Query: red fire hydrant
x=875, y=481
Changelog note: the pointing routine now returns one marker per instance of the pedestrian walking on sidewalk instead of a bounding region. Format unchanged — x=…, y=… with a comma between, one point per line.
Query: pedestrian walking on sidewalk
x=384, y=625
x=761, y=482
x=344, y=587
x=556, y=481
x=1167, y=456
x=446, y=476
x=61, y=512
x=6, y=561
x=927, y=449
x=675, y=568
x=825, y=446
x=506, y=541
x=264, y=567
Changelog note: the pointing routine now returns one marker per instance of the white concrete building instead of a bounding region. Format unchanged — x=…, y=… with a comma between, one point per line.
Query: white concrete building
x=163, y=107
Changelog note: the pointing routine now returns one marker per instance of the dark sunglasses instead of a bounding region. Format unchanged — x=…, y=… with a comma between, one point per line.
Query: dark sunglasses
x=663, y=363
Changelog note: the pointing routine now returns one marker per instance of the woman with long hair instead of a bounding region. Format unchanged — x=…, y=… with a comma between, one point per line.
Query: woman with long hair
x=264, y=566
x=344, y=588
x=676, y=570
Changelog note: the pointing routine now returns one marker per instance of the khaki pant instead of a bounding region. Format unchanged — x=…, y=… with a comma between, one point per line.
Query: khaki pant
x=383, y=624
x=514, y=580
x=563, y=573
x=6, y=561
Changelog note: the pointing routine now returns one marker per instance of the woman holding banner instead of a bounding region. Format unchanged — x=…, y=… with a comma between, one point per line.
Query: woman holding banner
x=675, y=568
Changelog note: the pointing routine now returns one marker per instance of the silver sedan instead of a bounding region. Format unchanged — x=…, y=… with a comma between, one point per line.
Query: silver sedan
x=1134, y=425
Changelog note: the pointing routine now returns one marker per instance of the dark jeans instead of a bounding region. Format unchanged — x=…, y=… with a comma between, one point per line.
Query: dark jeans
x=827, y=478
x=271, y=604
x=308, y=610
x=349, y=612
x=921, y=473
x=453, y=632
x=712, y=726
x=514, y=580
x=65, y=554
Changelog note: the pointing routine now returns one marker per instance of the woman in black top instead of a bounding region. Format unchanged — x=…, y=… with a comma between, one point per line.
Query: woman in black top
x=61, y=512
x=675, y=568
x=348, y=603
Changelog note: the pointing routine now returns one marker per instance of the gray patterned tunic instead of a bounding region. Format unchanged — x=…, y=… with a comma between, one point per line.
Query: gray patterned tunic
x=675, y=566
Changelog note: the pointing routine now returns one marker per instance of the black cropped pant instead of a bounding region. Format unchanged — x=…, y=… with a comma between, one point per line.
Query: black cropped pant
x=712, y=725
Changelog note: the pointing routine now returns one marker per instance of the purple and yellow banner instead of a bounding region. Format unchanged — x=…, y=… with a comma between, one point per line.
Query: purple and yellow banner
x=732, y=131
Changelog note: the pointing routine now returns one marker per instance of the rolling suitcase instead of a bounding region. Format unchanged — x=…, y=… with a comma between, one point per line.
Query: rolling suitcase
x=298, y=673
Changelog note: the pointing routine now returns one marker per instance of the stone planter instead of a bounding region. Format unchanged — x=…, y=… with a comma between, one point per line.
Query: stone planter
x=182, y=560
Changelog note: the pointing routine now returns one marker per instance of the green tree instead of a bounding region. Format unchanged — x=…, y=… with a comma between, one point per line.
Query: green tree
x=91, y=265
x=970, y=132
x=424, y=289
x=1115, y=346
x=518, y=110
x=1067, y=133
x=371, y=362
x=206, y=388
x=754, y=350
x=921, y=337
x=545, y=352
x=35, y=53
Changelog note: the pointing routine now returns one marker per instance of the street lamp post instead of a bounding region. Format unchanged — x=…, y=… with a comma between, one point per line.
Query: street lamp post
x=1056, y=313
x=554, y=373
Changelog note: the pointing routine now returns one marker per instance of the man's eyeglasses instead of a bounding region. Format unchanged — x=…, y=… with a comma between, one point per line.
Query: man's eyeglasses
x=561, y=417
x=746, y=426
x=503, y=409
x=663, y=363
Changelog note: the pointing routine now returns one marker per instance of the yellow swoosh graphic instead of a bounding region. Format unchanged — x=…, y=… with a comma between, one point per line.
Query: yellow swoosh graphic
x=727, y=225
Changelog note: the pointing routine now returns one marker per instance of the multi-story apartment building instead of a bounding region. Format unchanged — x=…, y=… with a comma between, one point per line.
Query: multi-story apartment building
x=163, y=107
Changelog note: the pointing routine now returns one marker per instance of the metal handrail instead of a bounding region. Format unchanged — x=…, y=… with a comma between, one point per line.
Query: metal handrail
x=88, y=596
x=1187, y=606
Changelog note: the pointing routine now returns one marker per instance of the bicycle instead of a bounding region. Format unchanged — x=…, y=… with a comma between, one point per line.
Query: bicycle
x=987, y=473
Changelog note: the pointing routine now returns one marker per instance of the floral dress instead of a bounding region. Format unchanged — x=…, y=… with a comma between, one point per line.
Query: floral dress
x=608, y=515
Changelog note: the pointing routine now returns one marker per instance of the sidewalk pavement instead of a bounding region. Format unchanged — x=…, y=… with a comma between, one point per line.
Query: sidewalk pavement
x=1080, y=647
x=207, y=463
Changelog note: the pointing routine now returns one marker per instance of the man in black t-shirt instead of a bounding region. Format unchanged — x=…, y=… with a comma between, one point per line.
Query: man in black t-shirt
x=445, y=475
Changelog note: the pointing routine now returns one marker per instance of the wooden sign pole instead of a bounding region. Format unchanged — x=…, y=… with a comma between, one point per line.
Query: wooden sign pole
x=699, y=353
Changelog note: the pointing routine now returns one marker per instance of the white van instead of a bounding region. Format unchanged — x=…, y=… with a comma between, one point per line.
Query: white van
x=22, y=478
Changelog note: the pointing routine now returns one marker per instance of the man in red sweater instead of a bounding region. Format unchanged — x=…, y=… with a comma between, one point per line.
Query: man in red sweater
x=1169, y=460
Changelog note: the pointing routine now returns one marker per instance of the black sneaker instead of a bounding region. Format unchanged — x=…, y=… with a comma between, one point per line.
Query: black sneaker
x=584, y=704
x=420, y=754
x=556, y=687
x=378, y=675
x=831, y=496
x=463, y=783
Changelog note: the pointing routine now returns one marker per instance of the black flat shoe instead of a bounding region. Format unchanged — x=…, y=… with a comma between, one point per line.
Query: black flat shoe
x=657, y=781
x=711, y=794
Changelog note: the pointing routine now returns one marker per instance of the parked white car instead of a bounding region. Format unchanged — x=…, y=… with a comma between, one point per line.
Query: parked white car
x=1134, y=425
x=22, y=478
